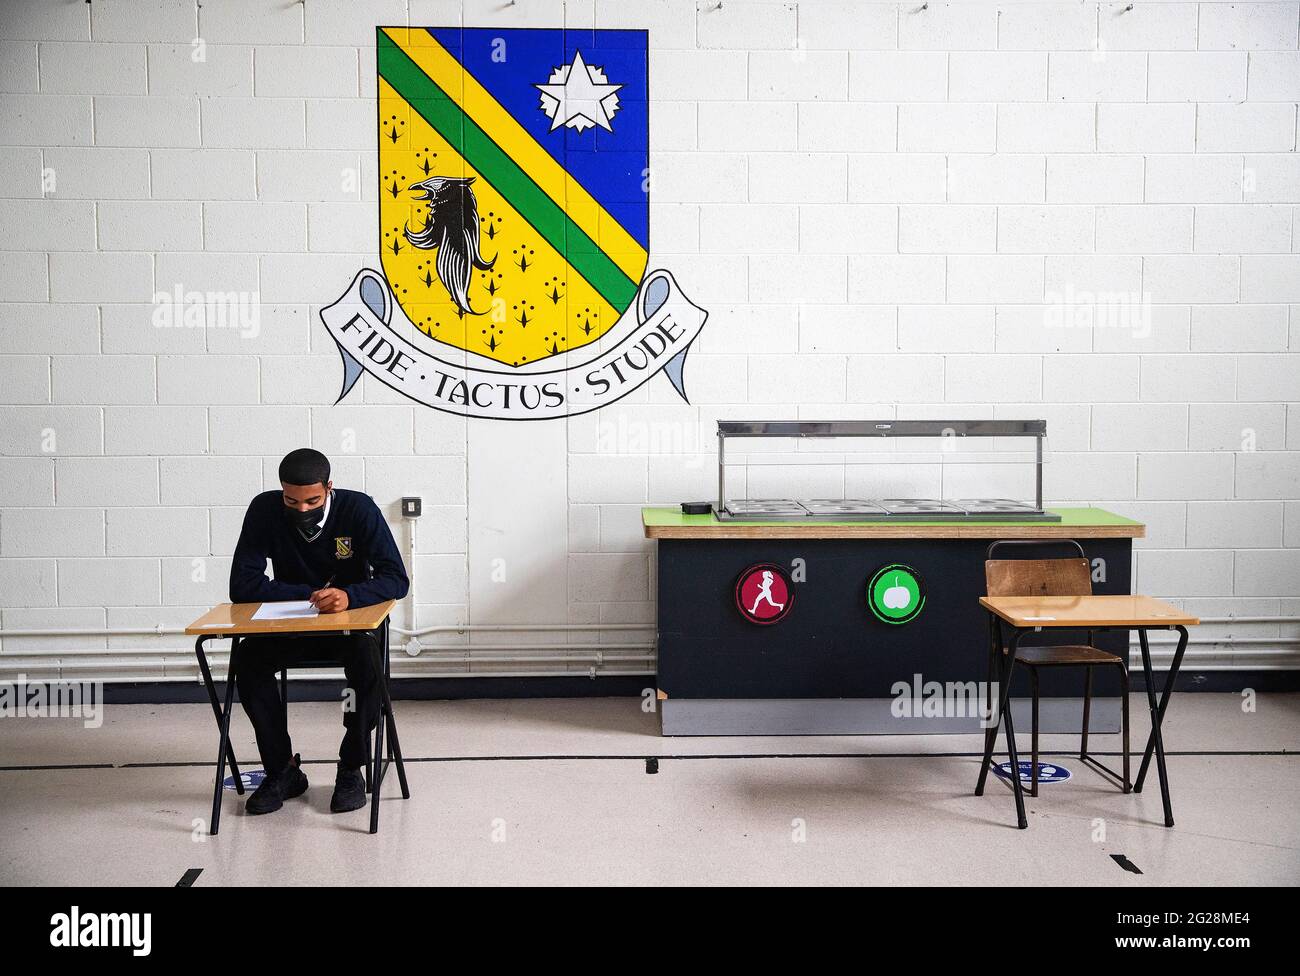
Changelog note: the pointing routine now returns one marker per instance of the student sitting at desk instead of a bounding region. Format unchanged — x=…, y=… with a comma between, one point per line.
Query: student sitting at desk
x=330, y=546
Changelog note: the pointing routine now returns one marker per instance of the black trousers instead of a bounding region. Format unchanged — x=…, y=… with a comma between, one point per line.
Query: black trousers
x=257, y=678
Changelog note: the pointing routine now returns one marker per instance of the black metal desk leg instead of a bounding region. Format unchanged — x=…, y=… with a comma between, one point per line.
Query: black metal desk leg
x=396, y=749
x=1155, y=736
x=1033, y=720
x=365, y=769
x=991, y=731
x=1164, y=703
x=225, y=736
x=216, y=709
x=394, y=746
x=377, y=775
x=1004, y=715
x=1021, y=821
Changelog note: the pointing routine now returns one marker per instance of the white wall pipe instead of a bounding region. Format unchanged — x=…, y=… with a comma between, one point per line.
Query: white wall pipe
x=10, y=671
x=475, y=652
x=1250, y=620
x=161, y=630
x=512, y=628
x=410, y=574
x=190, y=679
x=212, y=651
x=1191, y=657
x=592, y=655
x=443, y=648
x=460, y=651
x=436, y=673
x=1220, y=640
x=97, y=632
x=217, y=665
x=182, y=679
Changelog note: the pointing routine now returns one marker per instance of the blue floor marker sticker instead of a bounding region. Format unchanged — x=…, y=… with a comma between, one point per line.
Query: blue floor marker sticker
x=252, y=779
x=1047, y=772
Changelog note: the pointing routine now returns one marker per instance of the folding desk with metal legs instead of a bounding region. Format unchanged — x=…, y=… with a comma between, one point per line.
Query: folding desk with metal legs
x=235, y=621
x=1101, y=612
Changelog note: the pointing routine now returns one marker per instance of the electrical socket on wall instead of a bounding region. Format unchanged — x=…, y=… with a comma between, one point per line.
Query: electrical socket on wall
x=411, y=508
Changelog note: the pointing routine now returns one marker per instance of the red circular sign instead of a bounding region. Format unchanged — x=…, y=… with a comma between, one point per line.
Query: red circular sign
x=764, y=594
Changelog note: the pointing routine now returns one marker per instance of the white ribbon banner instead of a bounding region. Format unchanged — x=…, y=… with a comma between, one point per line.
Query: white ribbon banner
x=652, y=336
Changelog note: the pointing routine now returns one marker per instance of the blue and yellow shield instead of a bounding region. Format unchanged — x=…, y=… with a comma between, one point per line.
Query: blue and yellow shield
x=514, y=213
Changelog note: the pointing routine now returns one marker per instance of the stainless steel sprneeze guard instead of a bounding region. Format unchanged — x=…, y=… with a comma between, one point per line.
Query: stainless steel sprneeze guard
x=1036, y=429
x=1038, y=468
x=883, y=428
x=722, y=470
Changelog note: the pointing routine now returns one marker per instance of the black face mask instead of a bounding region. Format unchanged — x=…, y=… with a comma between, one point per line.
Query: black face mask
x=306, y=521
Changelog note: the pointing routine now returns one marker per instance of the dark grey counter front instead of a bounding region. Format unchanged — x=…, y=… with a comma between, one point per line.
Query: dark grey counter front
x=830, y=666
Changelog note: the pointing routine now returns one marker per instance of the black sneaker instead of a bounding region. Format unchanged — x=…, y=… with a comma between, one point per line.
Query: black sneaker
x=349, y=791
x=285, y=785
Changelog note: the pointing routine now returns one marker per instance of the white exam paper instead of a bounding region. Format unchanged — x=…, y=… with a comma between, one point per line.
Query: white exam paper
x=287, y=610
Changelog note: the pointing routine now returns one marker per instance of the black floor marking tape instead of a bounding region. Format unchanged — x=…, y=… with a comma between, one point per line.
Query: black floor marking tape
x=652, y=765
x=189, y=877
x=1286, y=753
x=1125, y=863
x=1259, y=753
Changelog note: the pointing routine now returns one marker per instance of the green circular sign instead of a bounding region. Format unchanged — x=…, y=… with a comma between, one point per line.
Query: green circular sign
x=896, y=594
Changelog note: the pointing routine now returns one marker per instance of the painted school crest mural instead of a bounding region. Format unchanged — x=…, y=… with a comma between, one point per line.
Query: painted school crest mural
x=513, y=227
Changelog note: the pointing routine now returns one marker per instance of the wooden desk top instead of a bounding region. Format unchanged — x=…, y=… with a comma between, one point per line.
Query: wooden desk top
x=1076, y=523
x=237, y=618
x=1086, y=611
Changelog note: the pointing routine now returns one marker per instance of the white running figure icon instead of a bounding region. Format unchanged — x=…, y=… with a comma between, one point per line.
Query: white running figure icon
x=765, y=593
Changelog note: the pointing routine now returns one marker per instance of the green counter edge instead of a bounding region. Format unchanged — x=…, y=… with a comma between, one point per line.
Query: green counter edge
x=663, y=516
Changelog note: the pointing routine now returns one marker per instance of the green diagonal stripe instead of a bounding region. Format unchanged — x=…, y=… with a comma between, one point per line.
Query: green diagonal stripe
x=449, y=119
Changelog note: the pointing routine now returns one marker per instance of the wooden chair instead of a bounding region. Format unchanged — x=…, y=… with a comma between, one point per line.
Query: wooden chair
x=1055, y=577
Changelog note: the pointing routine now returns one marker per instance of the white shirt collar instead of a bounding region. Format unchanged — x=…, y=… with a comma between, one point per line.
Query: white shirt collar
x=323, y=519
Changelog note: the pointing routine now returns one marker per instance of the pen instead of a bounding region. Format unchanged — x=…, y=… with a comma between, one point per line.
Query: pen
x=328, y=583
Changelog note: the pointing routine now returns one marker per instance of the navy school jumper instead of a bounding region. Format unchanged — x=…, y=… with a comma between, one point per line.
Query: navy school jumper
x=355, y=548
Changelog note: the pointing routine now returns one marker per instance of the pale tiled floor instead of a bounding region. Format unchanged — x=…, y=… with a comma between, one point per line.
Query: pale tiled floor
x=556, y=791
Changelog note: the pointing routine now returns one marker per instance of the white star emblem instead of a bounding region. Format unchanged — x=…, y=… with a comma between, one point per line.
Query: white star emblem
x=579, y=96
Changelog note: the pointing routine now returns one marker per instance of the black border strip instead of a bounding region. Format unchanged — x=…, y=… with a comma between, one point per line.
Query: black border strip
x=640, y=757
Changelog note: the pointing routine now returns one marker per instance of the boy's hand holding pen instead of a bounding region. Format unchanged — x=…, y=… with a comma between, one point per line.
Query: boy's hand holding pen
x=329, y=600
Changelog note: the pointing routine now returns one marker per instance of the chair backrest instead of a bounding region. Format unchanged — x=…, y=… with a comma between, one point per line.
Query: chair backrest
x=1037, y=577
x=319, y=663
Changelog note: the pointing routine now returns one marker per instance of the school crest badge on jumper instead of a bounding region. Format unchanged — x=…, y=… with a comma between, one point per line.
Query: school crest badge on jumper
x=343, y=547
x=513, y=227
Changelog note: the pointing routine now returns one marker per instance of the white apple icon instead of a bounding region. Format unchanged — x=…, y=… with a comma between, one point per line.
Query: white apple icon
x=896, y=597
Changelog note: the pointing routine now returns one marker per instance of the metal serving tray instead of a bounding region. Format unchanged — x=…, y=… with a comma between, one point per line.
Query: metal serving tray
x=884, y=509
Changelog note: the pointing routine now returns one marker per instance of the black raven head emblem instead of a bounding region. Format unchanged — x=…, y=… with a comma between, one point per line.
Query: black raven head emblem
x=451, y=226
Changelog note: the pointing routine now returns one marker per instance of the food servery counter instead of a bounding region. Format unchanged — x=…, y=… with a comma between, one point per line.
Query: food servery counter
x=807, y=626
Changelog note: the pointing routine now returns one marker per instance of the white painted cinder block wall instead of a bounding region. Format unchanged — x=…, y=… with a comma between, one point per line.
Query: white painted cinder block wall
x=876, y=202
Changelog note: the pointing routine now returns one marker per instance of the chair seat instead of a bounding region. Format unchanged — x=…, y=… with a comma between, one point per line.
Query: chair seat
x=1064, y=655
